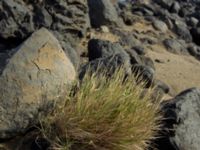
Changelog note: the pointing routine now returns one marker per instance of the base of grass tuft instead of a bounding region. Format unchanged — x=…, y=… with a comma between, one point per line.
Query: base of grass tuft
x=104, y=114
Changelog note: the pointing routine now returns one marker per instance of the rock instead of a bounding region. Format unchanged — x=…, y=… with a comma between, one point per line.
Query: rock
x=195, y=35
x=159, y=61
x=145, y=9
x=73, y=55
x=102, y=12
x=180, y=130
x=174, y=46
x=128, y=18
x=100, y=48
x=144, y=74
x=104, y=29
x=149, y=40
x=139, y=50
x=183, y=12
x=192, y=21
x=35, y=77
x=107, y=64
x=194, y=51
x=159, y=90
x=175, y=8
x=165, y=3
x=147, y=61
x=160, y=84
x=160, y=25
x=127, y=39
x=134, y=57
x=66, y=19
x=183, y=32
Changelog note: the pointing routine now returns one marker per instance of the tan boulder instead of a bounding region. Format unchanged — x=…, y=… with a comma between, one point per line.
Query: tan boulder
x=32, y=80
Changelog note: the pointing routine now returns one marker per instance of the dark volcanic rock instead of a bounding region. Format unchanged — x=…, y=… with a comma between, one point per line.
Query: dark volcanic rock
x=102, y=12
x=107, y=64
x=181, y=126
x=144, y=74
x=19, y=18
x=99, y=48
x=165, y=3
x=36, y=75
x=196, y=35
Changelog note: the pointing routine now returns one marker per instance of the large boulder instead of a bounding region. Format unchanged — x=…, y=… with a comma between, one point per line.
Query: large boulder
x=181, y=126
x=102, y=12
x=35, y=76
x=67, y=19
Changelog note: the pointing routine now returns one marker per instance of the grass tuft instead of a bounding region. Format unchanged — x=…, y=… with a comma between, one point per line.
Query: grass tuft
x=104, y=114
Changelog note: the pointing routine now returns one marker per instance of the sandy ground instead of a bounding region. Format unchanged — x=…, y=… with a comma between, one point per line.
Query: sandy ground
x=179, y=71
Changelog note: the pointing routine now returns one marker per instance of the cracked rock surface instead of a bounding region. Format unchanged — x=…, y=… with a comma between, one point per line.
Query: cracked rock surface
x=33, y=79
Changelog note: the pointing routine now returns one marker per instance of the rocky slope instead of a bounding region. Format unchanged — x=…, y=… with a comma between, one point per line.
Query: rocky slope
x=156, y=39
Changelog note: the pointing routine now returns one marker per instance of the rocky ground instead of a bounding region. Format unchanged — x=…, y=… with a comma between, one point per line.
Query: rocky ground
x=44, y=44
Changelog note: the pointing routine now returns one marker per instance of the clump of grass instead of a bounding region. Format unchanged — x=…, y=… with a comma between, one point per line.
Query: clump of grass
x=104, y=114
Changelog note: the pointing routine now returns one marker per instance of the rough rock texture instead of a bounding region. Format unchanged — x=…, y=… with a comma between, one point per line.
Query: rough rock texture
x=100, y=48
x=107, y=64
x=159, y=25
x=102, y=12
x=32, y=80
x=175, y=46
x=68, y=19
x=181, y=130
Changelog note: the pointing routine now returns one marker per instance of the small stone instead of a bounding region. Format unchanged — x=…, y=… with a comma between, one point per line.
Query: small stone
x=160, y=25
x=104, y=29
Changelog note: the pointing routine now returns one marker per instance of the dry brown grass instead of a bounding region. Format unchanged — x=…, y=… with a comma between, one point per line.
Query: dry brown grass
x=105, y=114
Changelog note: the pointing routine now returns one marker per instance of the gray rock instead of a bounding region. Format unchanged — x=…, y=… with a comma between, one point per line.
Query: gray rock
x=127, y=39
x=128, y=18
x=73, y=55
x=102, y=12
x=194, y=51
x=175, y=8
x=165, y=3
x=144, y=74
x=36, y=76
x=147, y=61
x=161, y=85
x=69, y=19
x=140, y=50
x=181, y=126
x=107, y=64
x=159, y=90
x=175, y=46
x=192, y=21
x=160, y=25
x=134, y=57
x=182, y=31
x=195, y=35
x=100, y=48
x=142, y=11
